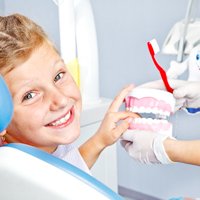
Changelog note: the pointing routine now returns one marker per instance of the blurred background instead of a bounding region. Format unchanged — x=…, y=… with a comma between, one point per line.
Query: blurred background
x=123, y=29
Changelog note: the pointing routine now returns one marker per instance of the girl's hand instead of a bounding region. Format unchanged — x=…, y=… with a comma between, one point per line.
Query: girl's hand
x=109, y=132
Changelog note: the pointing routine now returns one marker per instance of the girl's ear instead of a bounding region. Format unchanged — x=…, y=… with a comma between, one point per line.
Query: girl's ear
x=2, y=133
x=2, y=138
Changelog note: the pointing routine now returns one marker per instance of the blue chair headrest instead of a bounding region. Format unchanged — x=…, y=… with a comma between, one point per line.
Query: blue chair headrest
x=6, y=105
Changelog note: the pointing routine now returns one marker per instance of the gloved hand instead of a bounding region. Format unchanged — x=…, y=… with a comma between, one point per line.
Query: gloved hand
x=187, y=93
x=145, y=146
x=190, y=92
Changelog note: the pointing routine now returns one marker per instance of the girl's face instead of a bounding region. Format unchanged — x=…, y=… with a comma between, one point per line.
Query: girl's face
x=47, y=102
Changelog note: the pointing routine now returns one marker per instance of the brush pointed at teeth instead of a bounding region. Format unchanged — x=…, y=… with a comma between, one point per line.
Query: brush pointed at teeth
x=154, y=49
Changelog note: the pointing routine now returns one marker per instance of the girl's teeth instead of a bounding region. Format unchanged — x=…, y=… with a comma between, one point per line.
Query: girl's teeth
x=67, y=116
x=62, y=120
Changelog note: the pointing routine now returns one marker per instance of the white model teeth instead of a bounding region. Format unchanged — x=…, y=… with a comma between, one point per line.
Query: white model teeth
x=142, y=109
x=148, y=121
x=62, y=120
x=148, y=110
x=167, y=113
x=155, y=110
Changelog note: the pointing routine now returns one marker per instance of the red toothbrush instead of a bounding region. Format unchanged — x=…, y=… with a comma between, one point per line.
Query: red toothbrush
x=154, y=49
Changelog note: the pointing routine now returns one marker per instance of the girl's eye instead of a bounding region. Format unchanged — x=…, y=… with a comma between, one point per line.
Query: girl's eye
x=59, y=76
x=29, y=96
x=197, y=56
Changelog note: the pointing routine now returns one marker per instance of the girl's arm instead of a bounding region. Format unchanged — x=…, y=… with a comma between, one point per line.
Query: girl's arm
x=109, y=131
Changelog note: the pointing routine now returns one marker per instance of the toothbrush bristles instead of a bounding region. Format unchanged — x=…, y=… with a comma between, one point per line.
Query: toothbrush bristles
x=155, y=46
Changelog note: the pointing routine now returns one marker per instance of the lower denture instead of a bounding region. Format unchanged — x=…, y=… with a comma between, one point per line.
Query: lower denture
x=153, y=127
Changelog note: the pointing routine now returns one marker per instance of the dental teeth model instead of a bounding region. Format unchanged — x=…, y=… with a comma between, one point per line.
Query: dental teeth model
x=158, y=102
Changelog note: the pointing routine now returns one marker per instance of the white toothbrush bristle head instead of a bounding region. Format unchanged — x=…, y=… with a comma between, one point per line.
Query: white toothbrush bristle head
x=155, y=46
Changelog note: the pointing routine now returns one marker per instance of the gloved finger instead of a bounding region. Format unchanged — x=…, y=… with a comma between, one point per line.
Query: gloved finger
x=184, y=91
x=128, y=148
x=154, y=85
x=178, y=107
x=179, y=104
x=160, y=85
x=123, y=143
x=128, y=135
x=180, y=101
x=175, y=83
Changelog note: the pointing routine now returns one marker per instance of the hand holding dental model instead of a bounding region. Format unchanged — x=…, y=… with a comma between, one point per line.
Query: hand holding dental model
x=151, y=141
x=186, y=92
x=146, y=145
x=192, y=63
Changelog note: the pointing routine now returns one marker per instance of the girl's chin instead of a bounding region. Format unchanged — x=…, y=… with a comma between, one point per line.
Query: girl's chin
x=70, y=138
x=67, y=141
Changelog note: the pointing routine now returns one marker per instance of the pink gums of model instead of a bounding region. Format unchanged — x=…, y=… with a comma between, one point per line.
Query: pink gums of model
x=154, y=101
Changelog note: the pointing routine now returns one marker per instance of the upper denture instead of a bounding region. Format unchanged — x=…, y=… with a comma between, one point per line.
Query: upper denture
x=148, y=102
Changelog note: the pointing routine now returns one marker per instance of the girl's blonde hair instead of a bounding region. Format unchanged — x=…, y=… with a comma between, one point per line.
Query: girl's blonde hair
x=19, y=37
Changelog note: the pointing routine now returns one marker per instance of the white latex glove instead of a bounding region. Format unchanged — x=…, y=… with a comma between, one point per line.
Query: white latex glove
x=190, y=92
x=145, y=146
x=176, y=85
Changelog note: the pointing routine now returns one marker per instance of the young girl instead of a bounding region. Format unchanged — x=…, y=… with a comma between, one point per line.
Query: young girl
x=47, y=101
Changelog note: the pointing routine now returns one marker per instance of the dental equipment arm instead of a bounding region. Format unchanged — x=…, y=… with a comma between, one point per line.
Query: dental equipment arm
x=145, y=146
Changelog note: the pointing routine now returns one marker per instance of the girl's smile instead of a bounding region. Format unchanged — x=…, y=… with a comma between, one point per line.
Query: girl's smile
x=63, y=121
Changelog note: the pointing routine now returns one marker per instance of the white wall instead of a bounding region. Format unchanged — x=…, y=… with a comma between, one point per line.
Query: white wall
x=123, y=29
x=2, y=7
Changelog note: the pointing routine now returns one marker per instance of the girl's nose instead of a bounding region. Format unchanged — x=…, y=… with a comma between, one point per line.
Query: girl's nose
x=58, y=100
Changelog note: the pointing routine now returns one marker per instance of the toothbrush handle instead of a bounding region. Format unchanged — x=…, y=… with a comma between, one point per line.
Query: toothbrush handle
x=160, y=69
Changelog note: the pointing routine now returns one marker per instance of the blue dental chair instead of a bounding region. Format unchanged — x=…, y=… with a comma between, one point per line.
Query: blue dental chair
x=27, y=173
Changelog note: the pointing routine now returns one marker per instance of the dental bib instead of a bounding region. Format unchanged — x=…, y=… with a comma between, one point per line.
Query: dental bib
x=158, y=102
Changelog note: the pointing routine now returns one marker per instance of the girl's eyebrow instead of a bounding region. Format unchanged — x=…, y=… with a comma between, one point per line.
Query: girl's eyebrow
x=25, y=83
